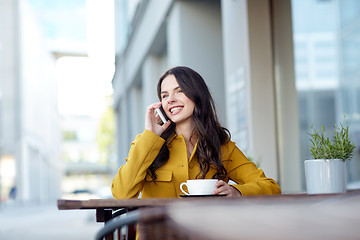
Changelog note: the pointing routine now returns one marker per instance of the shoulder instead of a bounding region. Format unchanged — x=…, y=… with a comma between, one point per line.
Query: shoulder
x=231, y=153
x=148, y=137
x=227, y=148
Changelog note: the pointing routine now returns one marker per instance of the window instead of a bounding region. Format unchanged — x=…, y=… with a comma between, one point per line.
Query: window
x=327, y=67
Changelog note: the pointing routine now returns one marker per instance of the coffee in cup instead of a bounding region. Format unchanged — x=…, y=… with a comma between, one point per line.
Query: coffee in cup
x=199, y=186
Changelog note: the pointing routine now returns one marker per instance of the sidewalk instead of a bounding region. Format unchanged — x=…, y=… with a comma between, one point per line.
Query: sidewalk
x=47, y=222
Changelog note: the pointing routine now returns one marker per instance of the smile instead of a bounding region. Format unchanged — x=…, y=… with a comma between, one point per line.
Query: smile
x=175, y=110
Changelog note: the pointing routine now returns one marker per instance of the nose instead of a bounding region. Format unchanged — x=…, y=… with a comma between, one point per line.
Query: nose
x=171, y=98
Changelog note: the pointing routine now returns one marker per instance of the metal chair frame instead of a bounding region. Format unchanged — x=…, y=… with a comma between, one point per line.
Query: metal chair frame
x=117, y=223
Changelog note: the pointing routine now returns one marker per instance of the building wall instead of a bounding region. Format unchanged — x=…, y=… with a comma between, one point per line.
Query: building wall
x=194, y=39
x=9, y=70
x=29, y=116
x=326, y=47
x=287, y=113
x=251, y=91
x=10, y=102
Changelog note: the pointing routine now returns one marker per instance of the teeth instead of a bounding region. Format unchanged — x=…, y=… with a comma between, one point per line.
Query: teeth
x=175, y=109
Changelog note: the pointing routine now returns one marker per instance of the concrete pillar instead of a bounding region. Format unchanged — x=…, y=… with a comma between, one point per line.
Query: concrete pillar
x=236, y=71
x=249, y=69
x=122, y=132
x=291, y=166
x=135, y=115
x=150, y=76
x=258, y=57
x=194, y=39
x=262, y=88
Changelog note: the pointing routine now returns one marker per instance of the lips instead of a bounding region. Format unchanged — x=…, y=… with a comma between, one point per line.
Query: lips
x=175, y=110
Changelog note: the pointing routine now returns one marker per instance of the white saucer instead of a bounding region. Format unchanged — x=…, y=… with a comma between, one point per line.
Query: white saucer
x=210, y=195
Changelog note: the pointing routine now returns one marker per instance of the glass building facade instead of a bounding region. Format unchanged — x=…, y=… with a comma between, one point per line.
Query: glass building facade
x=326, y=37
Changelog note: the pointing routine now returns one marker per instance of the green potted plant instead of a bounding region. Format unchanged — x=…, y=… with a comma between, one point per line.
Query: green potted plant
x=326, y=173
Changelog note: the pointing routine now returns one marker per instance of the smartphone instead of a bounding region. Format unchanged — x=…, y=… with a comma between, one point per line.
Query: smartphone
x=163, y=118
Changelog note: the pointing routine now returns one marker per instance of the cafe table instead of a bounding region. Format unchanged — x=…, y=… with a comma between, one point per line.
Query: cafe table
x=105, y=207
x=286, y=216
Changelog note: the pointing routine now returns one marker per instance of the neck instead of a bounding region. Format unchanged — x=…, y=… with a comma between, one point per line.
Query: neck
x=186, y=130
x=190, y=138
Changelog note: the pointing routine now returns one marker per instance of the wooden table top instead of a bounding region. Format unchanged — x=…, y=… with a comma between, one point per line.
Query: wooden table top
x=287, y=216
x=315, y=217
x=66, y=204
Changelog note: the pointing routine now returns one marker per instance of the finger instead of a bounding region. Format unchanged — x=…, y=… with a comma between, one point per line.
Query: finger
x=156, y=105
x=151, y=107
x=150, y=118
x=220, y=190
x=150, y=110
x=166, y=125
x=220, y=183
x=219, y=187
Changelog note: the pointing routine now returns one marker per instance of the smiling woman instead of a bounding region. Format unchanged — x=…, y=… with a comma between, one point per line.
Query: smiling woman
x=176, y=104
x=192, y=145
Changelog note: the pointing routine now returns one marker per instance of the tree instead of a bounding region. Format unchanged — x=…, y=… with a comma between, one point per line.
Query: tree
x=105, y=135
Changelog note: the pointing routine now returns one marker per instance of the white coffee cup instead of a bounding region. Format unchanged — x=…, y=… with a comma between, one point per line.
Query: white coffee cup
x=199, y=186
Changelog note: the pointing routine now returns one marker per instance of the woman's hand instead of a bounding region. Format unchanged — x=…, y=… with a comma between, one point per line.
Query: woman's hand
x=224, y=188
x=151, y=122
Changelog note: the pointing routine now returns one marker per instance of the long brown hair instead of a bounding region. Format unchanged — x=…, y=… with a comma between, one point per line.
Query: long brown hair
x=211, y=135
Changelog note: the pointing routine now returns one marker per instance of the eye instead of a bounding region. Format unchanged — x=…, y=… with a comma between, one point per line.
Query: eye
x=164, y=96
x=180, y=91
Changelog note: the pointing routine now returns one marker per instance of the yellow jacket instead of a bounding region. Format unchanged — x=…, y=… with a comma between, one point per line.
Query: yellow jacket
x=132, y=179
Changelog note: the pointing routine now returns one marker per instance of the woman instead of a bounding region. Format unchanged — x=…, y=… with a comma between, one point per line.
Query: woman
x=191, y=145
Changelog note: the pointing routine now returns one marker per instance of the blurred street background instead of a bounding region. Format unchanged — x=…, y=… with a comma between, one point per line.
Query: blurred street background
x=57, y=123
x=47, y=222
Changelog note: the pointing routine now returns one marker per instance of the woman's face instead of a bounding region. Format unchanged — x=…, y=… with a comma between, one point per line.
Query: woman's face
x=177, y=106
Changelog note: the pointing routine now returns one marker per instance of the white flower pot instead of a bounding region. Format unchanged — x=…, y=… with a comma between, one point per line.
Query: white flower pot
x=325, y=176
